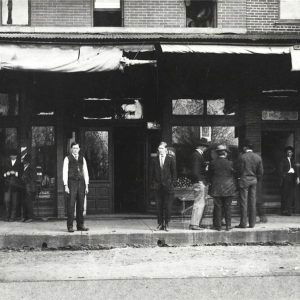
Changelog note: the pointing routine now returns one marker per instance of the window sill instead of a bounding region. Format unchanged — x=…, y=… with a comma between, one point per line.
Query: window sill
x=288, y=22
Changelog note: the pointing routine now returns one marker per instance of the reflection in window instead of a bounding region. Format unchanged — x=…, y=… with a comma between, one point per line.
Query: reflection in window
x=43, y=153
x=185, y=138
x=8, y=141
x=216, y=107
x=279, y=115
x=187, y=107
x=107, y=13
x=200, y=13
x=96, y=154
x=15, y=12
x=9, y=104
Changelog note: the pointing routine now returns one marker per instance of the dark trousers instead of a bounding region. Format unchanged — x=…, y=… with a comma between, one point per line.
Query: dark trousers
x=222, y=204
x=77, y=194
x=164, y=202
x=287, y=193
x=10, y=201
x=248, y=204
x=27, y=204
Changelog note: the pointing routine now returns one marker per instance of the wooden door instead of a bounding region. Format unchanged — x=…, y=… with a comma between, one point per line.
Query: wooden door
x=97, y=150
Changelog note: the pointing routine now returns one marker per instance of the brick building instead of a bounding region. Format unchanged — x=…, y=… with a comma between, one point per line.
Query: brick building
x=120, y=75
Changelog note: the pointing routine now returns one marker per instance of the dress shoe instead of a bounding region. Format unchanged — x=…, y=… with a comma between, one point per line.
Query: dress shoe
x=228, y=228
x=82, y=228
x=28, y=221
x=195, y=227
x=240, y=226
x=23, y=220
x=70, y=229
x=159, y=227
x=11, y=220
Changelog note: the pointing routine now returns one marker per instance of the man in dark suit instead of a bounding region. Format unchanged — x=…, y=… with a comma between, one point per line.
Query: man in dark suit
x=163, y=177
x=199, y=170
x=250, y=171
x=289, y=178
x=12, y=170
x=28, y=178
x=222, y=178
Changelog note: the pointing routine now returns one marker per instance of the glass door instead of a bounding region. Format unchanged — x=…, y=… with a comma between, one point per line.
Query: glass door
x=97, y=150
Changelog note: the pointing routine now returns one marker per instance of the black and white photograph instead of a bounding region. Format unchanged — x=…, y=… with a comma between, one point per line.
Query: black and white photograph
x=150, y=149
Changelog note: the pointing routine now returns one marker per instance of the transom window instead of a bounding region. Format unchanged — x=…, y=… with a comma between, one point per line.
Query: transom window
x=107, y=13
x=201, y=13
x=290, y=10
x=15, y=12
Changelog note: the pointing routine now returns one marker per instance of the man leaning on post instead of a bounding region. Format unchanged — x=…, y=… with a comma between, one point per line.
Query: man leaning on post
x=76, y=180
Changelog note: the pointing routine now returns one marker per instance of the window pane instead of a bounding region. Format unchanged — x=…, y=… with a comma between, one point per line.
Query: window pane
x=96, y=154
x=107, y=4
x=15, y=12
x=187, y=107
x=290, y=9
x=9, y=104
x=184, y=139
x=216, y=107
x=279, y=115
x=130, y=109
x=200, y=13
x=43, y=153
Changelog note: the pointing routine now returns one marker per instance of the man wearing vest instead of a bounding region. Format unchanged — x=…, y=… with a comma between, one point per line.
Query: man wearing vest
x=76, y=180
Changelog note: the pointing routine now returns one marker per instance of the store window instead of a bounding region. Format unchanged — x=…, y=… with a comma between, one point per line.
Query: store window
x=8, y=141
x=185, y=138
x=290, y=10
x=201, y=13
x=9, y=104
x=107, y=13
x=187, y=107
x=15, y=12
x=96, y=154
x=269, y=115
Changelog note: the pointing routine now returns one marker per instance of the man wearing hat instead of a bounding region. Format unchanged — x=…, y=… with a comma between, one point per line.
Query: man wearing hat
x=250, y=171
x=199, y=172
x=221, y=176
x=289, y=178
x=12, y=168
x=28, y=178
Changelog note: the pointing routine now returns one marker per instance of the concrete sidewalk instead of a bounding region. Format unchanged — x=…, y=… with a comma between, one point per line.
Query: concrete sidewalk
x=139, y=231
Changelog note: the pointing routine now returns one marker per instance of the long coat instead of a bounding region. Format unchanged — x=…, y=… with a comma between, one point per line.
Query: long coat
x=222, y=177
x=28, y=178
x=198, y=167
x=284, y=167
x=165, y=176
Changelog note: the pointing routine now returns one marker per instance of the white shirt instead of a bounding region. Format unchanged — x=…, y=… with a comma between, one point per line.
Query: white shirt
x=13, y=161
x=66, y=171
x=291, y=170
x=162, y=160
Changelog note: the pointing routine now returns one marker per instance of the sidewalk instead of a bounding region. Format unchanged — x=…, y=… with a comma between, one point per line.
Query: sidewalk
x=139, y=231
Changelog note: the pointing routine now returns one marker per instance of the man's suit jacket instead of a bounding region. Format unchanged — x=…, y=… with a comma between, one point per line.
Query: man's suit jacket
x=284, y=167
x=198, y=167
x=165, y=176
x=12, y=181
x=250, y=168
x=28, y=178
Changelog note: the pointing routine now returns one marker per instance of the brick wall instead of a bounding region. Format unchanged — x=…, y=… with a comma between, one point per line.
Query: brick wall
x=154, y=13
x=263, y=16
x=232, y=13
x=61, y=13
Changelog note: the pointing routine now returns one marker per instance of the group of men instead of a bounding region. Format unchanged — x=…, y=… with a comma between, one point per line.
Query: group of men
x=19, y=188
x=223, y=179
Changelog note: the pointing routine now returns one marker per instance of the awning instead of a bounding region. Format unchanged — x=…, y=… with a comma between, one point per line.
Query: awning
x=66, y=58
x=224, y=49
x=295, y=55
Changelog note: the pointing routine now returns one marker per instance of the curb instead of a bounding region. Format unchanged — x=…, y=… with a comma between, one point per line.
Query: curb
x=152, y=239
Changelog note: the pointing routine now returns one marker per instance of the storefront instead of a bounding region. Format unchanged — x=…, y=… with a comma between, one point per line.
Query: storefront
x=119, y=116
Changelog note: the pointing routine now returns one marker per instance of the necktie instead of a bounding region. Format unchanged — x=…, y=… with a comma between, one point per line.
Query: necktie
x=161, y=161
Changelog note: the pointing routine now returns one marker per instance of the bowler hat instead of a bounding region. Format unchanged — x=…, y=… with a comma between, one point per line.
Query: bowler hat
x=202, y=142
x=247, y=143
x=288, y=148
x=221, y=148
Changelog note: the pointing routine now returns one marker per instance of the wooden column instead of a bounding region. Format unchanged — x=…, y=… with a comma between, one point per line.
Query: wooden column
x=59, y=160
x=297, y=159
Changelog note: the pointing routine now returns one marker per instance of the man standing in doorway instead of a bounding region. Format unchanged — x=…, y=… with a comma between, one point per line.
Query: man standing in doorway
x=289, y=178
x=76, y=180
x=250, y=171
x=163, y=177
x=199, y=170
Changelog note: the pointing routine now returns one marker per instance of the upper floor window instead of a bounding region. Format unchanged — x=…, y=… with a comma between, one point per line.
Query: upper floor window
x=15, y=12
x=290, y=10
x=107, y=13
x=200, y=13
